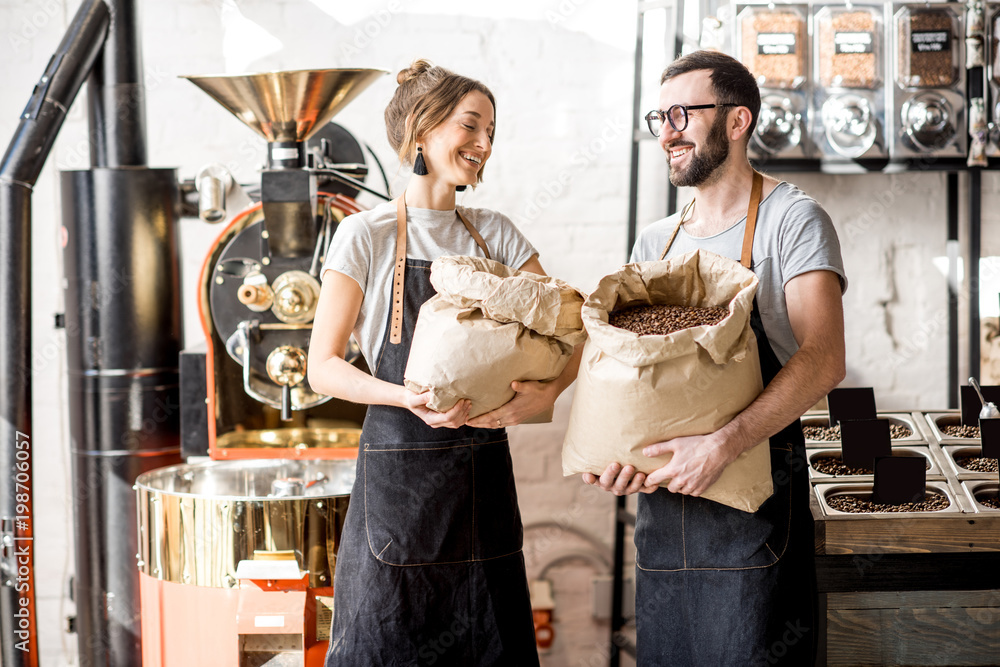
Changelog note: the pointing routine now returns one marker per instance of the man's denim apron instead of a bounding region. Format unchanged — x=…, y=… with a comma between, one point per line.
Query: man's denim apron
x=430, y=569
x=719, y=587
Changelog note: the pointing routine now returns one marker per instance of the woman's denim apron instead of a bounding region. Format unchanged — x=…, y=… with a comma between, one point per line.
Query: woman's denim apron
x=719, y=587
x=430, y=569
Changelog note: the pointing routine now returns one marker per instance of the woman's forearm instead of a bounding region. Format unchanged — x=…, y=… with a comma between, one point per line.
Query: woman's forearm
x=335, y=377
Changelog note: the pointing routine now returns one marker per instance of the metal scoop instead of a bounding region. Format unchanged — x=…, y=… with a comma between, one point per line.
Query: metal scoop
x=989, y=410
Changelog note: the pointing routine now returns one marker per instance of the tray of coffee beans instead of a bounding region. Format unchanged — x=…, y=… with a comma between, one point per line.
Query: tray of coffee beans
x=847, y=499
x=984, y=494
x=660, y=319
x=948, y=429
x=827, y=464
x=819, y=433
x=968, y=463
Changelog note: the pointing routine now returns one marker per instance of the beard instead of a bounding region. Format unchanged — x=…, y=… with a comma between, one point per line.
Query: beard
x=704, y=163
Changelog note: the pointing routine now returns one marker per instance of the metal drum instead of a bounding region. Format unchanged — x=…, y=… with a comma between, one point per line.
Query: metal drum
x=197, y=522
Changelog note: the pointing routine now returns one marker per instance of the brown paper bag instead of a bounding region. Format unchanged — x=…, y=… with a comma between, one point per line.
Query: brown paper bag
x=487, y=326
x=635, y=390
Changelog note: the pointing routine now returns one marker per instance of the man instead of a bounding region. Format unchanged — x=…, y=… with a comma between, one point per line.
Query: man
x=714, y=585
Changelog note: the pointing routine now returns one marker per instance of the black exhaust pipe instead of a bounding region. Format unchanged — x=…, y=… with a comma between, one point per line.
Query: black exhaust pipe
x=123, y=340
x=22, y=163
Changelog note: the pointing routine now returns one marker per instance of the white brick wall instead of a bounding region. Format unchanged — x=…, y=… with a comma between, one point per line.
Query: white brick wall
x=561, y=71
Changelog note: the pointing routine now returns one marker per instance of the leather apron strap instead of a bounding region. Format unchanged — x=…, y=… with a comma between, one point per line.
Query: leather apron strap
x=746, y=255
x=396, y=323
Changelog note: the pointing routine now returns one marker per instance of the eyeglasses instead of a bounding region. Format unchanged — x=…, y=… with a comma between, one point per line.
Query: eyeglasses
x=677, y=116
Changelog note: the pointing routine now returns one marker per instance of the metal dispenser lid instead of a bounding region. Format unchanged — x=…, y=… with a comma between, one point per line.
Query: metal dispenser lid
x=928, y=121
x=287, y=106
x=778, y=125
x=850, y=124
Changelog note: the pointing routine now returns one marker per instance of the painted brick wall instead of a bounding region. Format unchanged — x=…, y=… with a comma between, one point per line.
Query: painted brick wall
x=562, y=73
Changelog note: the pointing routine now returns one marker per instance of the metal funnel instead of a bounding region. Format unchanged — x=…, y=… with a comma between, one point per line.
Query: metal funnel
x=287, y=106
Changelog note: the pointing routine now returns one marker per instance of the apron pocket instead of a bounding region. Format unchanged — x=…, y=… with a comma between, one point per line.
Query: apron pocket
x=418, y=502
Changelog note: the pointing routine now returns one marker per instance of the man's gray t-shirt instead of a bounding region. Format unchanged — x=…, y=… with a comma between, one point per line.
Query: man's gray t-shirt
x=794, y=235
x=364, y=248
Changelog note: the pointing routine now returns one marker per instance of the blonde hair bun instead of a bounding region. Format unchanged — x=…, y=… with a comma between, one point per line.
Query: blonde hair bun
x=417, y=68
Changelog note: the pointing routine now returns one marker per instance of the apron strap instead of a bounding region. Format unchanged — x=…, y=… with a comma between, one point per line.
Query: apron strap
x=396, y=324
x=746, y=256
x=670, y=241
x=475, y=235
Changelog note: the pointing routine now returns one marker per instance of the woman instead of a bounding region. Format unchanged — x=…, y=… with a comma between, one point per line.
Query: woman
x=430, y=569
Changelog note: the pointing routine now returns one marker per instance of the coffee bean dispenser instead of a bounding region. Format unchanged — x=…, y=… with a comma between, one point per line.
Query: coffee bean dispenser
x=849, y=95
x=992, y=35
x=928, y=80
x=772, y=41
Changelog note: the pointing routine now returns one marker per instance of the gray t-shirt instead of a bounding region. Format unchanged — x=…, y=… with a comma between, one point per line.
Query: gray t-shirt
x=794, y=235
x=364, y=248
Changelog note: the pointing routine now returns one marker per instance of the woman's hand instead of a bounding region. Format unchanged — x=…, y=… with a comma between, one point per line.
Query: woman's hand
x=417, y=404
x=530, y=398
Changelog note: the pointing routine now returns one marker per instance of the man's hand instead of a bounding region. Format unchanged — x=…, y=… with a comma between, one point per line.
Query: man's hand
x=696, y=463
x=530, y=398
x=620, y=481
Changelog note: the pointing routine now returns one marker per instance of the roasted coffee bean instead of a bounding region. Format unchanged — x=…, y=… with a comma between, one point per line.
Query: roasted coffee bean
x=993, y=503
x=660, y=320
x=832, y=434
x=774, y=47
x=923, y=66
x=961, y=431
x=839, y=66
x=832, y=465
x=856, y=505
x=977, y=464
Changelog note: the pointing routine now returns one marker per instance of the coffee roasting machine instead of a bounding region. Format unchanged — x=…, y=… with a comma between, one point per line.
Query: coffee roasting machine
x=250, y=537
x=247, y=535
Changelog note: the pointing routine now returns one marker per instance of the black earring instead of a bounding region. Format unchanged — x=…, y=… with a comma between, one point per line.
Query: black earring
x=419, y=166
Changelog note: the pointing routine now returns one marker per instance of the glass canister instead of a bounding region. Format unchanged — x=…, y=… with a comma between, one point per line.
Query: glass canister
x=928, y=43
x=849, y=47
x=773, y=45
x=995, y=47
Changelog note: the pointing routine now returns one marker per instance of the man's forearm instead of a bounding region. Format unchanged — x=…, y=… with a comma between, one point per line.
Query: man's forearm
x=807, y=377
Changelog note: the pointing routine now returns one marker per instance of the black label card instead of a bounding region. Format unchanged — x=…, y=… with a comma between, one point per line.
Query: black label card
x=853, y=42
x=989, y=432
x=900, y=479
x=775, y=43
x=851, y=403
x=929, y=41
x=971, y=405
x=862, y=441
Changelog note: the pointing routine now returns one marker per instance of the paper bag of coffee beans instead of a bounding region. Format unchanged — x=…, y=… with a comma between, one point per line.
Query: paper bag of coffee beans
x=487, y=326
x=634, y=390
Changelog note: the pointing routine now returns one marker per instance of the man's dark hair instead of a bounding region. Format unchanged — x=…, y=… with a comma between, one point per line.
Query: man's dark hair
x=732, y=82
